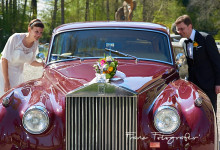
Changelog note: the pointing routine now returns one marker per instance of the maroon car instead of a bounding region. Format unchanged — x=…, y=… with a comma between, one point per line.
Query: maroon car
x=144, y=106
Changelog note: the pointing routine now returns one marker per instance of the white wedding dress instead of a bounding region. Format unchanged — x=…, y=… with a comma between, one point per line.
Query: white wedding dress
x=16, y=54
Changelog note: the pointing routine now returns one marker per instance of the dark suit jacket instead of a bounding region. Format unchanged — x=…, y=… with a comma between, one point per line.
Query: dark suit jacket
x=204, y=69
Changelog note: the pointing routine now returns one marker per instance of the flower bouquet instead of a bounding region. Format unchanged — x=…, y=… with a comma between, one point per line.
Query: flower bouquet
x=107, y=66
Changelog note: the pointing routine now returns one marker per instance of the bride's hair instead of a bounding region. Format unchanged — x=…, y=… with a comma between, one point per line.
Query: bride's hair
x=36, y=23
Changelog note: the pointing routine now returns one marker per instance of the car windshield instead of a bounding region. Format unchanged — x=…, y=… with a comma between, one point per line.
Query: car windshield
x=143, y=44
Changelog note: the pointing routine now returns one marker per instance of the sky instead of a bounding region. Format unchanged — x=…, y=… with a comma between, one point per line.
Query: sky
x=41, y=5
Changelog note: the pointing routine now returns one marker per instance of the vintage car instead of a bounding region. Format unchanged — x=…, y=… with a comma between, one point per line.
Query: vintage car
x=143, y=106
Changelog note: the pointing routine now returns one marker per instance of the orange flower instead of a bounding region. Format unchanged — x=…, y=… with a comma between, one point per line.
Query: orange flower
x=195, y=44
x=110, y=69
x=107, y=66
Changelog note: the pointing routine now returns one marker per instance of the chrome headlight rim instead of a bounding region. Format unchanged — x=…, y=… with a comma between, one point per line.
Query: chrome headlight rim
x=43, y=111
x=165, y=108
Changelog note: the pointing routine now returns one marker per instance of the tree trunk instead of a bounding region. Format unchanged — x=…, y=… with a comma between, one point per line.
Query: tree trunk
x=23, y=16
x=2, y=24
x=6, y=3
x=6, y=12
x=62, y=12
x=14, y=15
x=144, y=13
x=10, y=19
x=53, y=23
x=87, y=11
x=94, y=10
x=107, y=6
x=78, y=10
x=34, y=9
x=2, y=6
x=10, y=7
x=116, y=5
x=103, y=14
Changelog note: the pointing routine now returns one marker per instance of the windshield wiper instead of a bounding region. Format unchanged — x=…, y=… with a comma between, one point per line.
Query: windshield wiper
x=121, y=54
x=67, y=56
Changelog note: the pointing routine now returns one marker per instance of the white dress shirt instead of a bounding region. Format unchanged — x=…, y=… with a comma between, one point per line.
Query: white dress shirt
x=190, y=45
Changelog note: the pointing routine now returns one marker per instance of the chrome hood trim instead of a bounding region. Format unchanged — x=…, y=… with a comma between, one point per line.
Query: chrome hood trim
x=101, y=89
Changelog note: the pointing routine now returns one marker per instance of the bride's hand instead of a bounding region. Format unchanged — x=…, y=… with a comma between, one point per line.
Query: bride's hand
x=7, y=86
x=43, y=64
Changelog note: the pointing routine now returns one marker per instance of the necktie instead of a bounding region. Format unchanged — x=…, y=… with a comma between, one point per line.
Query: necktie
x=187, y=42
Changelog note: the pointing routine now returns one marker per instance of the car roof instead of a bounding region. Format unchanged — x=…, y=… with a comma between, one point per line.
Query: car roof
x=109, y=24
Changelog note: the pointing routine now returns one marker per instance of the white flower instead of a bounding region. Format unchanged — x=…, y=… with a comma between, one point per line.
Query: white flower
x=105, y=67
x=109, y=58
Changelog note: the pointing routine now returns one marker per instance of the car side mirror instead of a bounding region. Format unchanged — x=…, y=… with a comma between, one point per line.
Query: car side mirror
x=40, y=56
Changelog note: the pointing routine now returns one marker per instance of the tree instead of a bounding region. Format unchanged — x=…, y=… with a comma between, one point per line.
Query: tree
x=107, y=7
x=62, y=12
x=94, y=10
x=34, y=9
x=87, y=11
x=144, y=11
x=204, y=14
x=171, y=8
x=78, y=10
x=23, y=15
x=149, y=7
x=116, y=5
x=53, y=23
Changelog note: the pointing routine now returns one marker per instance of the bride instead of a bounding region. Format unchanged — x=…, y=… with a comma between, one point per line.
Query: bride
x=20, y=48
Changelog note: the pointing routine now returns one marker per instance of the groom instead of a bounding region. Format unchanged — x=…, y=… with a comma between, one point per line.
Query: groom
x=203, y=58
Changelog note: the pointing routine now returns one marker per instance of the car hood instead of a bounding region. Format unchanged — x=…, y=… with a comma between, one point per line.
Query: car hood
x=68, y=75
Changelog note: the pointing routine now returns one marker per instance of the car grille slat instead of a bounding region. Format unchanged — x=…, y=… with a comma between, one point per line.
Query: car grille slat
x=100, y=123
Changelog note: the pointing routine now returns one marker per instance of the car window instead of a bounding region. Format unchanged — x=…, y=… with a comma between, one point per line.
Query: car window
x=92, y=43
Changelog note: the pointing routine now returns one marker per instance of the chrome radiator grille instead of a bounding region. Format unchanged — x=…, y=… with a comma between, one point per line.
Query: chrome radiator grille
x=100, y=123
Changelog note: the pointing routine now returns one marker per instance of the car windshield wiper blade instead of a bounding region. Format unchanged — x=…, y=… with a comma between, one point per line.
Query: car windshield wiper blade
x=121, y=53
x=67, y=56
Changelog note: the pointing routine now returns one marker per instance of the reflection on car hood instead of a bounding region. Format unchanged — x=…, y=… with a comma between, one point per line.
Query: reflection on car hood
x=133, y=83
x=71, y=76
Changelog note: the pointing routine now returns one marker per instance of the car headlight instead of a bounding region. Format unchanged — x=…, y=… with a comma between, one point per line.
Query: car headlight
x=166, y=119
x=36, y=120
